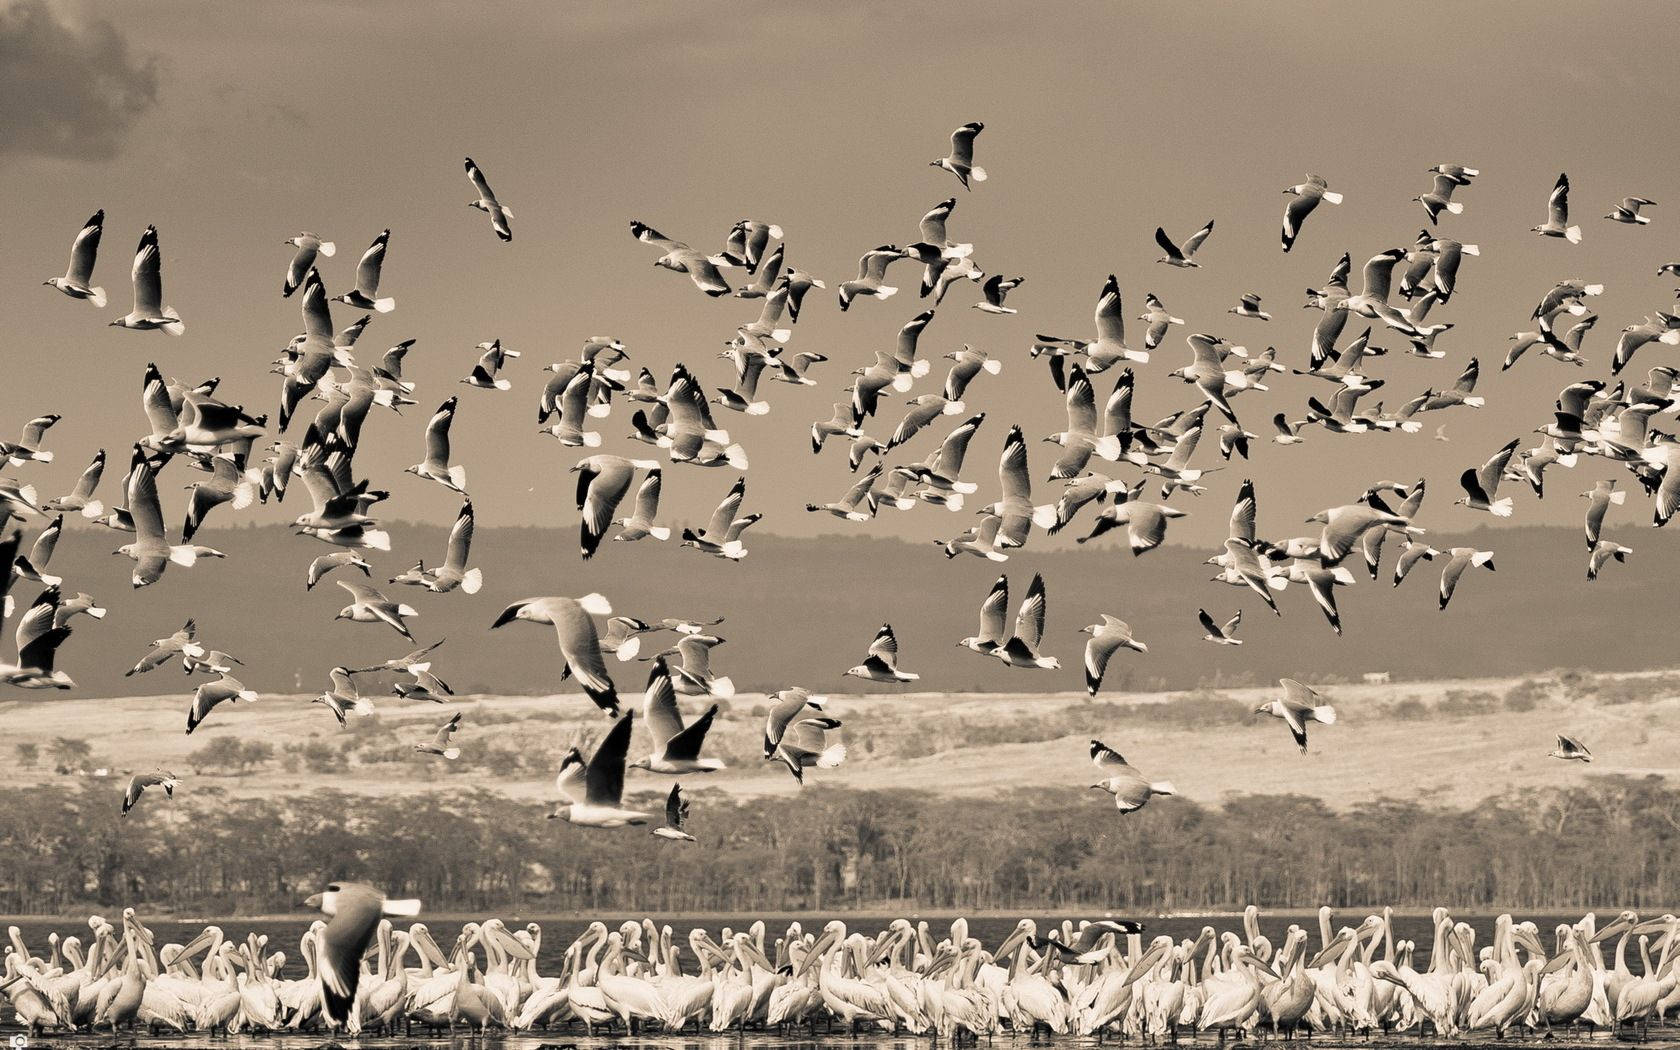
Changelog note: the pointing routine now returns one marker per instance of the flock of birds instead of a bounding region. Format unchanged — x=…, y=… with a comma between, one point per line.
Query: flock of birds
x=238, y=458
x=241, y=459
x=1098, y=978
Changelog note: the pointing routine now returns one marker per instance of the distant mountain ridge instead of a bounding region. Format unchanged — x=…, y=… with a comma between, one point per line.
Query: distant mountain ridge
x=800, y=611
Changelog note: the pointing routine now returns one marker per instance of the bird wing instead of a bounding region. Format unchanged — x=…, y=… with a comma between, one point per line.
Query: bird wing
x=1012, y=467
x=1557, y=204
x=1111, y=321
x=1081, y=403
x=1196, y=239
x=143, y=504
x=659, y=706
x=1243, y=513
x=86, y=249
x=460, y=539
x=1167, y=245
x=724, y=516
x=147, y=275
x=476, y=174
x=962, y=143
x=604, y=780
x=1029, y=622
x=373, y=261
x=994, y=613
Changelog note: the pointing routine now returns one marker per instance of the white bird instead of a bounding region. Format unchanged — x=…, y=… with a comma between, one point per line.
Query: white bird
x=81, y=495
x=1299, y=705
x=995, y=289
x=1459, y=559
x=221, y=689
x=149, y=313
x=1131, y=789
x=1107, y=637
x=639, y=525
x=151, y=550
x=337, y=560
x=1021, y=648
x=1557, y=214
x=593, y=789
x=676, y=815
x=722, y=535
x=453, y=573
x=1109, y=348
x=365, y=296
x=77, y=281
x=1603, y=551
x=676, y=747
x=960, y=161
x=678, y=257
x=602, y=483
x=1481, y=484
x=367, y=605
x=439, y=744
x=580, y=645
x=486, y=373
x=139, y=782
x=487, y=203
x=881, y=664
x=1628, y=211
x=436, y=467
x=1307, y=195
x=1250, y=307
x=308, y=247
x=1217, y=633
x=872, y=272
x=1185, y=255
x=1570, y=750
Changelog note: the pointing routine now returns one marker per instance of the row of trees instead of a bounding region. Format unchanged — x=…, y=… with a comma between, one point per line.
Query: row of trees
x=1608, y=843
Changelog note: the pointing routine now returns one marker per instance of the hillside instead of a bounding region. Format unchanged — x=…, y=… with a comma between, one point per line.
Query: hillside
x=1452, y=743
x=800, y=611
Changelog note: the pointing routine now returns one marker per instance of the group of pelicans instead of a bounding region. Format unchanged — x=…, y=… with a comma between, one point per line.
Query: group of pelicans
x=1104, y=978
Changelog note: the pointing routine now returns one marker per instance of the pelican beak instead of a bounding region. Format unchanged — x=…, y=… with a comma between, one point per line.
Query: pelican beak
x=1617, y=926
x=1013, y=942
x=1146, y=963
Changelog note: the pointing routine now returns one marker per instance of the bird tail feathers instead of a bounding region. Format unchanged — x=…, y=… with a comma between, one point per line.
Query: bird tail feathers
x=832, y=756
x=472, y=580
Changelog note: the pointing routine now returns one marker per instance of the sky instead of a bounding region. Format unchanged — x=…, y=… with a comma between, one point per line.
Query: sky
x=232, y=127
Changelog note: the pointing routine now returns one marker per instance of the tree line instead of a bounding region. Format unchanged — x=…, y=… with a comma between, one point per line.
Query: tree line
x=1607, y=842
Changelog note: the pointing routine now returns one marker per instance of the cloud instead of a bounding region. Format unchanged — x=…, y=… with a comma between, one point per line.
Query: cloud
x=70, y=92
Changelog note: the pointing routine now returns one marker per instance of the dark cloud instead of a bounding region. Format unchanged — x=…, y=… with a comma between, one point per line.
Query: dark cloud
x=70, y=92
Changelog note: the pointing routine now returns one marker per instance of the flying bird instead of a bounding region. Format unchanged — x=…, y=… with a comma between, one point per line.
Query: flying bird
x=1307, y=195
x=439, y=744
x=149, y=313
x=487, y=202
x=365, y=295
x=1184, y=256
x=1570, y=750
x=77, y=281
x=579, y=643
x=1131, y=789
x=881, y=664
x=1299, y=705
x=139, y=782
x=1557, y=214
x=1107, y=637
x=676, y=815
x=354, y=910
x=960, y=161
x=1220, y=634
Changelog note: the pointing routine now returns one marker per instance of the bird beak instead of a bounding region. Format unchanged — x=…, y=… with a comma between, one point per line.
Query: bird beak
x=313, y=901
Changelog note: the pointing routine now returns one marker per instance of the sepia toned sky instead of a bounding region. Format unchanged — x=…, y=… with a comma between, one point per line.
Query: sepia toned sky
x=233, y=126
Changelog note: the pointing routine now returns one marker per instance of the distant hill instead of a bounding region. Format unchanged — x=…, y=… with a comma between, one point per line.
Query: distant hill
x=801, y=611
